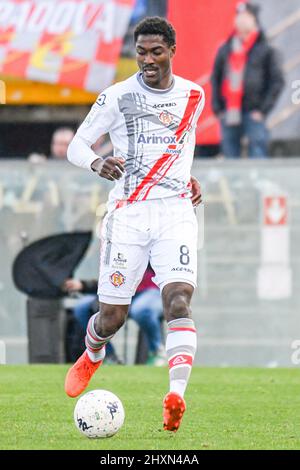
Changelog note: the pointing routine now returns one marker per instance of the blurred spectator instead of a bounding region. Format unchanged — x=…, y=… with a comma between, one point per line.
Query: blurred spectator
x=246, y=81
x=146, y=309
x=60, y=141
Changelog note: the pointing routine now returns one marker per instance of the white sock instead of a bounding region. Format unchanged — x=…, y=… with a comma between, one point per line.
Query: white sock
x=181, y=346
x=95, y=345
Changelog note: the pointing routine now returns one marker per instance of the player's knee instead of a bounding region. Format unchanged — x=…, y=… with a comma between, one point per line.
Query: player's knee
x=177, y=302
x=111, y=319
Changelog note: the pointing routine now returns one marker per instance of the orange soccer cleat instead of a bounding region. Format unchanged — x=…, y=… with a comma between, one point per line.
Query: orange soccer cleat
x=79, y=375
x=174, y=407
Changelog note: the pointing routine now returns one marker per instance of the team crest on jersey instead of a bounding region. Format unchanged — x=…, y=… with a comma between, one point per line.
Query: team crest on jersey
x=117, y=279
x=166, y=118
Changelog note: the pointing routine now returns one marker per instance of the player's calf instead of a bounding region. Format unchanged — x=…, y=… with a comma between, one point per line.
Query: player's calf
x=181, y=342
x=110, y=319
x=101, y=329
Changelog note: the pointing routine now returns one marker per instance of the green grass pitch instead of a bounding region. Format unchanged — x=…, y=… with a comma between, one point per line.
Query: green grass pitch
x=226, y=409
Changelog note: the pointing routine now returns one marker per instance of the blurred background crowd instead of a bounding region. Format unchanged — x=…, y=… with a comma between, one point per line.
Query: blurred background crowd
x=257, y=42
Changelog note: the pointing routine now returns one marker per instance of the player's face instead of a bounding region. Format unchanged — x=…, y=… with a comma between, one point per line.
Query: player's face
x=154, y=56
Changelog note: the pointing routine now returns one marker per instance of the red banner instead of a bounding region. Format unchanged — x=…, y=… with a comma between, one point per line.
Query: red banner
x=70, y=42
x=201, y=28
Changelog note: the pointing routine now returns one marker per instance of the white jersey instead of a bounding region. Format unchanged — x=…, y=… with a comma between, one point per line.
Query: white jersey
x=152, y=129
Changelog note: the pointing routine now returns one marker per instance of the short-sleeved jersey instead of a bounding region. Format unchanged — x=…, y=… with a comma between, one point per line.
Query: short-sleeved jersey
x=153, y=130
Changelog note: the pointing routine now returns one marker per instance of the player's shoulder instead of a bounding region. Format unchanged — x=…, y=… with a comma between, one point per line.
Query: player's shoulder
x=187, y=85
x=114, y=91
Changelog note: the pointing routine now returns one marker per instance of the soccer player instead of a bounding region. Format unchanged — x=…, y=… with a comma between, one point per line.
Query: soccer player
x=151, y=118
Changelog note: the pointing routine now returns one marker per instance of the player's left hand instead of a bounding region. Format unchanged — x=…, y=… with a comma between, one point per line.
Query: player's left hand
x=110, y=168
x=196, y=192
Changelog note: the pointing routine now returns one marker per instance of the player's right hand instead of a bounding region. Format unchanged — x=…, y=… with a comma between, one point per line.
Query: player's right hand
x=111, y=168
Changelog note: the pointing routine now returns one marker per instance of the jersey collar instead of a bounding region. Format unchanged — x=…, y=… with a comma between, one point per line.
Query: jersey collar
x=139, y=77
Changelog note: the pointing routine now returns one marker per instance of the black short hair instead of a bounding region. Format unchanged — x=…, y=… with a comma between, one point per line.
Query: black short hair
x=156, y=25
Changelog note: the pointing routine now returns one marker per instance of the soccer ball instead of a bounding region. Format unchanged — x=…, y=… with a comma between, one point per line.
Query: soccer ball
x=99, y=413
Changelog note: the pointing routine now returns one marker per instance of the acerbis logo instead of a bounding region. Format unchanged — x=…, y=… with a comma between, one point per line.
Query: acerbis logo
x=164, y=105
x=181, y=268
x=155, y=139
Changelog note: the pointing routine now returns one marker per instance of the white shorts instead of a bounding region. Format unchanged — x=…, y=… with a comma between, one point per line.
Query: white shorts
x=162, y=231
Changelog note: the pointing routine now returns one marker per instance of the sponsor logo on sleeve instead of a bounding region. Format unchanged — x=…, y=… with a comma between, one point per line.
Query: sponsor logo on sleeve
x=101, y=99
